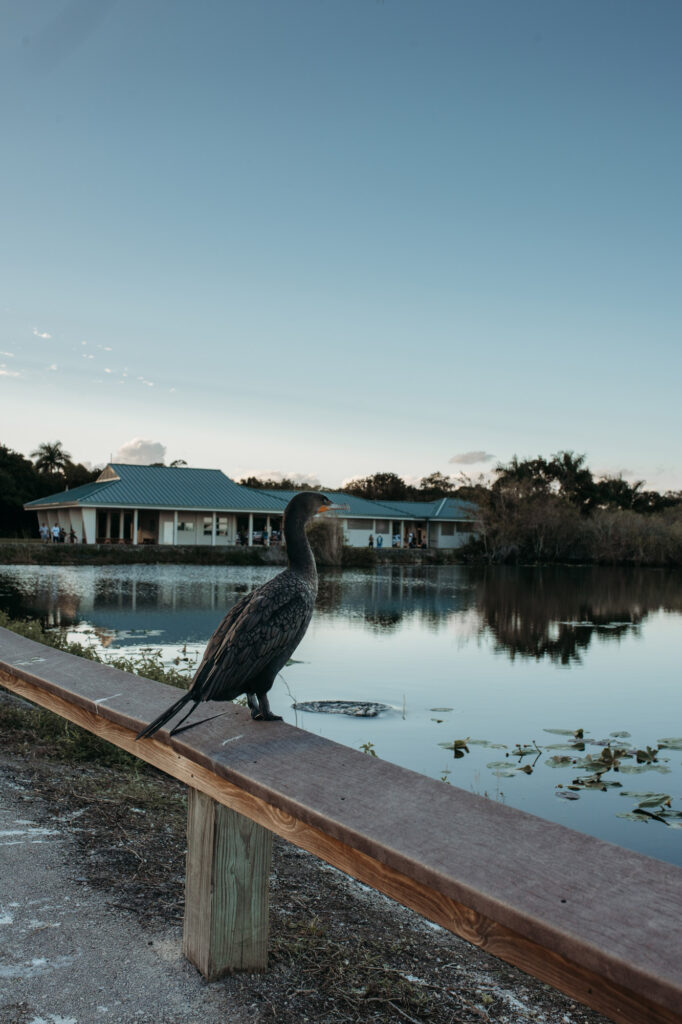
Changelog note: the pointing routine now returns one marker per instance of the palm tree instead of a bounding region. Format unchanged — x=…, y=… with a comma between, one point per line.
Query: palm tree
x=50, y=458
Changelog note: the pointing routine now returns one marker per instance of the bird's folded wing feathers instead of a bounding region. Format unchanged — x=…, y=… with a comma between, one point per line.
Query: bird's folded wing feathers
x=267, y=622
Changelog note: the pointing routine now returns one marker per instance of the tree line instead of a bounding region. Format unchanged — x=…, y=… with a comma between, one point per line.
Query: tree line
x=529, y=510
x=21, y=480
x=548, y=510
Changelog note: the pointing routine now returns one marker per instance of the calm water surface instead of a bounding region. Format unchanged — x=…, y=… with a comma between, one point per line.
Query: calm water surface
x=498, y=657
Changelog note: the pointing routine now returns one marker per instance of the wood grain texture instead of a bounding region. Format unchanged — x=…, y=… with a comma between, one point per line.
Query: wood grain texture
x=596, y=921
x=226, y=889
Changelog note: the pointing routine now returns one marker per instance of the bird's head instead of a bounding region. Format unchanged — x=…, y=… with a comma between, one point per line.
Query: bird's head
x=307, y=504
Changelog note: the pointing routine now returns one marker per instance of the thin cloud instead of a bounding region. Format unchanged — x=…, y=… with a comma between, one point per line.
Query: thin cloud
x=471, y=458
x=9, y=354
x=4, y=372
x=41, y=334
x=52, y=366
x=141, y=451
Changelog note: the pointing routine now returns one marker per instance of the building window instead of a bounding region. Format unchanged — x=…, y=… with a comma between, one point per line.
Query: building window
x=208, y=526
x=361, y=524
x=382, y=526
x=221, y=526
x=447, y=529
x=186, y=527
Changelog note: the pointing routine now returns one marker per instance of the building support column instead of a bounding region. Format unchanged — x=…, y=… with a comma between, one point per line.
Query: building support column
x=214, y=518
x=107, y=527
x=135, y=521
x=175, y=527
x=402, y=533
x=121, y=524
x=250, y=536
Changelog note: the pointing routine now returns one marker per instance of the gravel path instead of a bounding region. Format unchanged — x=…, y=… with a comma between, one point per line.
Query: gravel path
x=67, y=957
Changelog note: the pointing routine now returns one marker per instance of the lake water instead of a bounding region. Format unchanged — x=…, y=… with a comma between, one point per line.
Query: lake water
x=499, y=657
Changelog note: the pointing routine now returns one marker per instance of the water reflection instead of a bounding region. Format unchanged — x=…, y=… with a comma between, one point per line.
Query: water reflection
x=459, y=655
x=554, y=613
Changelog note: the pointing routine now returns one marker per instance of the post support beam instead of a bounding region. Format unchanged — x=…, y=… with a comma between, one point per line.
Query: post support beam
x=226, y=890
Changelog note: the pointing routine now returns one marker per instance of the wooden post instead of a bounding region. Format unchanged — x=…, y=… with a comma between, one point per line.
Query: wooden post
x=226, y=890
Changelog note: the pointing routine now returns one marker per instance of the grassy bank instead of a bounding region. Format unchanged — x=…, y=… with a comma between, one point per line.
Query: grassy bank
x=20, y=552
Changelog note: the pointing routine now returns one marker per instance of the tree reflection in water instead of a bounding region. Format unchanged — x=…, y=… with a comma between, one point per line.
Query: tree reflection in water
x=553, y=613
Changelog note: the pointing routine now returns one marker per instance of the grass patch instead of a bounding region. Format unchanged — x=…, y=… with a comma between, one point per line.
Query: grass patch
x=41, y=733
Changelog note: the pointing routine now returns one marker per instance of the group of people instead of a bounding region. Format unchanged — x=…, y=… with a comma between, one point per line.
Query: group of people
x=411, y=541
x=57, y=534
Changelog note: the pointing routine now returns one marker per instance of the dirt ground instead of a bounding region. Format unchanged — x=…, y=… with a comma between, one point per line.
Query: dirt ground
x=339, y=952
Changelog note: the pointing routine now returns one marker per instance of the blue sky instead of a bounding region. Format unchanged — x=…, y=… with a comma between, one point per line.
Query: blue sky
x=334, y=237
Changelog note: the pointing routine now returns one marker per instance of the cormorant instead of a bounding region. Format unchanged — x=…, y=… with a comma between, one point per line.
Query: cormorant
x=262, y=630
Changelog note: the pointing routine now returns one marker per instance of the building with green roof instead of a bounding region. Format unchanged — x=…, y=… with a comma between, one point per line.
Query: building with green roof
x=180, y=505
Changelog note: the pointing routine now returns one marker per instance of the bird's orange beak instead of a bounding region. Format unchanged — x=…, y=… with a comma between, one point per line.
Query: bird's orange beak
x=332, y=508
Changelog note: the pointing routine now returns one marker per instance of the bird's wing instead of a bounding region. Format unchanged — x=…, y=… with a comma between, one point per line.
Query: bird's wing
x=266, y=624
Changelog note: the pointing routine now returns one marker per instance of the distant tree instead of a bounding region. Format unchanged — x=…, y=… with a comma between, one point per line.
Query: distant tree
x=380, y=487
x=435, y=486
x=50, y=458
x=19, y=483
x=77, y=474
x=259, y=484
x=564, y=474
x=177, y=462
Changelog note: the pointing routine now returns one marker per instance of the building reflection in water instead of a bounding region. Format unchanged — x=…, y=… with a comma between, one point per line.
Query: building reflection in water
x=554, y=613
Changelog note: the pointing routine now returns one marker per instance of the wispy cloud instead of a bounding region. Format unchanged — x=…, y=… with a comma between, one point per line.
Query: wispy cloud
x=471, y=458
x=4, y=372
x=52, y=366
x=41, y=334
x=149, y=383
x=9, y=354
x=140, y=452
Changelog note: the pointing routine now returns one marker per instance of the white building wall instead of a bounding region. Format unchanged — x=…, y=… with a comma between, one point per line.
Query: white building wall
x=357, y=536
x=191, y=528
x=455, y=539
x=89, y=525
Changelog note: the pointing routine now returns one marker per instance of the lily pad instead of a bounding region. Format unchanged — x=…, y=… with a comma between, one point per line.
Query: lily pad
x=671, y=742
x=487, y=743
x=566, y=794
x=645, y=796
x=354, y=708
x=621, y=735
x=637, y=769
x=559, y=761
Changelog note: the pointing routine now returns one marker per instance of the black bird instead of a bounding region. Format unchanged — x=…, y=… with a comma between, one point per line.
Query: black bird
x=260, y=633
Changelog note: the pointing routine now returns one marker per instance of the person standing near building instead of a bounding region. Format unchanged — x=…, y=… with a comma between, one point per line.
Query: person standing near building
x=55, y=533
x=44, y=533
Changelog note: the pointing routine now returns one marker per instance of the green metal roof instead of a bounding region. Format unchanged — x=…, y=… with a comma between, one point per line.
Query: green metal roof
x=356, y=506
x=124, y=486
x=442, y=508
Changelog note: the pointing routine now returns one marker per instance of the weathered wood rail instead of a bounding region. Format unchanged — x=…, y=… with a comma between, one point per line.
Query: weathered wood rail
x=594, y=920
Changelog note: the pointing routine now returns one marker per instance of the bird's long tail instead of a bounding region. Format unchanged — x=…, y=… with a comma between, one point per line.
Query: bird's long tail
x=168, y=713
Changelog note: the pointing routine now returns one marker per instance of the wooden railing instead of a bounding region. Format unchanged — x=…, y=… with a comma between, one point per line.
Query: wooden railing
x=594, y=920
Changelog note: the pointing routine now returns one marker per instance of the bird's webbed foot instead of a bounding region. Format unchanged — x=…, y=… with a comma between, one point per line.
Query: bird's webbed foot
x=260, y=709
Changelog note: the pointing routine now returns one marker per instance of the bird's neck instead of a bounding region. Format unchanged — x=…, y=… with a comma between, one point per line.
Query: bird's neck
x=299, y=552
